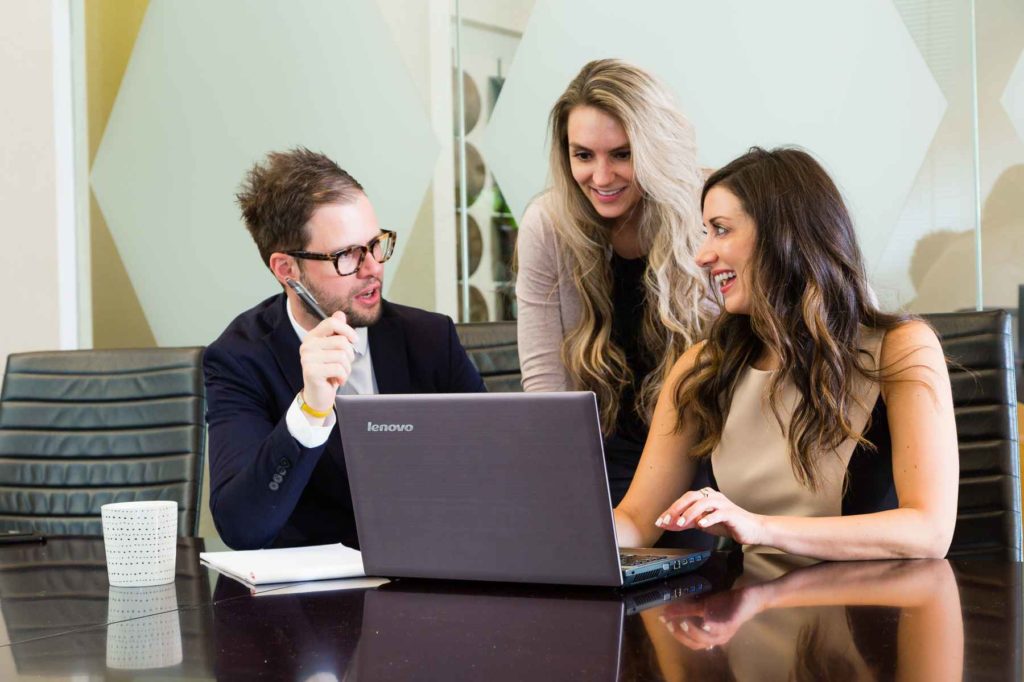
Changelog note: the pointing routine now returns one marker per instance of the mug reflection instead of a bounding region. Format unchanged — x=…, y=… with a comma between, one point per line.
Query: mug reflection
x=144, y=630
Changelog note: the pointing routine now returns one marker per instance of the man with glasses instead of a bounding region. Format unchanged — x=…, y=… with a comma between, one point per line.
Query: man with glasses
x=277, y=471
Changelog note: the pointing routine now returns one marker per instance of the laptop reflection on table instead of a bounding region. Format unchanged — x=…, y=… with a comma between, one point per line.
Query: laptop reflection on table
x=499, y=487
x=433, y=630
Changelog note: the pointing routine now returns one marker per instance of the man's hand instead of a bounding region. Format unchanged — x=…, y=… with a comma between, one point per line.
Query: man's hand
x=326, y=355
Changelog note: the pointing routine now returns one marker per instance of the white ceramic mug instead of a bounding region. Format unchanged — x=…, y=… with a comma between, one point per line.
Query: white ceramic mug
x=140, y=539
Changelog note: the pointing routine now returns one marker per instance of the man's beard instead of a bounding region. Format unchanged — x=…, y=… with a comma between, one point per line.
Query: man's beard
x=354, y=318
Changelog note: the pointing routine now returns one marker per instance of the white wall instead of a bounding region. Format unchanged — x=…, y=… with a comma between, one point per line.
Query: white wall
x=37, y=234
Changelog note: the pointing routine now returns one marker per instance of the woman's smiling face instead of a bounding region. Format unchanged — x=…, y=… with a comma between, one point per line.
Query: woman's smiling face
x=728, y=248
x=601, y=161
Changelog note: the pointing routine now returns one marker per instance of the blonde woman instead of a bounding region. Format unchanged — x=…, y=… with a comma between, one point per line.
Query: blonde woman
x=607, y=289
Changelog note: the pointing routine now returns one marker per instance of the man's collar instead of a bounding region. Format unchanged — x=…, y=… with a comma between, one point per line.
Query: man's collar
x=361, y=336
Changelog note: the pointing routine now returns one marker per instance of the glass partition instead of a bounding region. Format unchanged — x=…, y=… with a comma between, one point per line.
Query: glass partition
x=487, y=36
x=881, y=91
x=1000, y=47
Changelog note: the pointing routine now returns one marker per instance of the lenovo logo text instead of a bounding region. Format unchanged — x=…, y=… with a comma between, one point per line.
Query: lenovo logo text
x=370, y=426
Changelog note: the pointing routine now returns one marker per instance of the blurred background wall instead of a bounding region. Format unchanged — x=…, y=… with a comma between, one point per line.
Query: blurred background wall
x=128, y=125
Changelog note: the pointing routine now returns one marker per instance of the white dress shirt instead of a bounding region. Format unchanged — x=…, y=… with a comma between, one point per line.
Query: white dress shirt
x=361, y=381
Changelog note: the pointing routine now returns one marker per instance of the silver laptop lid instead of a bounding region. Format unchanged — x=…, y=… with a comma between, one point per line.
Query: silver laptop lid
x=499, y=486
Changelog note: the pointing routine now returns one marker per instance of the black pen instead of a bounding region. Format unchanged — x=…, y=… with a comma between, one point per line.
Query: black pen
x=307, y=298
x=17, y=536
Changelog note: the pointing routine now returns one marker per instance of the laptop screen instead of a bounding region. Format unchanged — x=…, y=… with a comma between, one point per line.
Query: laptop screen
x=501, y=486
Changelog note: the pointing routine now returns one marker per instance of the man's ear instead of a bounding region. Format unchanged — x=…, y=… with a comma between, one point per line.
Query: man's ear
x=283, y=266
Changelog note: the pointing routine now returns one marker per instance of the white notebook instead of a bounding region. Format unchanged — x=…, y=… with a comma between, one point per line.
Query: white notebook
x=287, y=565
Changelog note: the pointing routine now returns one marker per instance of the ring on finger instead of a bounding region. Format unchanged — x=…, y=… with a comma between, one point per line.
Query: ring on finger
x=706, y=491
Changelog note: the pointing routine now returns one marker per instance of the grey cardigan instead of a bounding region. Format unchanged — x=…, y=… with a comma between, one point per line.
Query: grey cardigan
x=548, y=301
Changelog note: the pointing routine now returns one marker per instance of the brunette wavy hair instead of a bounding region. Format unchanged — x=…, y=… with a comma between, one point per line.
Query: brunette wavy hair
x=664, y=153
x=810, y=306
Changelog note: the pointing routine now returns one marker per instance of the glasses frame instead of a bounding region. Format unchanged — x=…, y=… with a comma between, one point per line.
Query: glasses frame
x=363, y=250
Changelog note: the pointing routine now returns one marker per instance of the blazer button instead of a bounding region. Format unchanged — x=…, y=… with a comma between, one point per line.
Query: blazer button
x=278, y=478
x=282, y=470
x=285, y=462
x=274, y=485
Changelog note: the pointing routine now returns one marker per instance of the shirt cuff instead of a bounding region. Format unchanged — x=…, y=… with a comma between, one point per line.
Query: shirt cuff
x=309, y=436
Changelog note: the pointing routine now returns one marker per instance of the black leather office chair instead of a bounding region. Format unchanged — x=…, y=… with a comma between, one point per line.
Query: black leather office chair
x=493, y=349
x=79, y=429
x=985, y=400
x=1019, y=350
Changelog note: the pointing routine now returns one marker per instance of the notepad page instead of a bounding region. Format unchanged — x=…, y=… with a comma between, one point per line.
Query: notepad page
x=291, y=564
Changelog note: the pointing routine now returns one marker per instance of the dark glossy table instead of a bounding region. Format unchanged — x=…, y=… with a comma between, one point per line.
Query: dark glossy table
x=753, y=617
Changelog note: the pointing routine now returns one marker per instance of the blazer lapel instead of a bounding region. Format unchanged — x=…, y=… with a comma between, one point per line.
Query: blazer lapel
x=284, y=344
x=388, y=353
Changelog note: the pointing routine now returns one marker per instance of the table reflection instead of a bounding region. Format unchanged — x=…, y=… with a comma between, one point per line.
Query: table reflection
x=144, y=631
x=280, y=634
x=423, y=631
x=783, y=620
x=55, y=599
x=763, y=617
x=431, y=630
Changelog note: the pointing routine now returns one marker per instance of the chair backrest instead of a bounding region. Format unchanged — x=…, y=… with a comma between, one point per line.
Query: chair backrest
x=79, y=429
x=1019, y=350
x=493, y=349
x=979, y=345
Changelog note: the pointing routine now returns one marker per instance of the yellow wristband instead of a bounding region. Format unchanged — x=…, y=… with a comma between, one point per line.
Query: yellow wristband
x=309, y=410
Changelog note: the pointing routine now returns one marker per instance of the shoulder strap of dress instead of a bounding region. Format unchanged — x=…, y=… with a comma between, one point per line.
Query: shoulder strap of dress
x=871, y=341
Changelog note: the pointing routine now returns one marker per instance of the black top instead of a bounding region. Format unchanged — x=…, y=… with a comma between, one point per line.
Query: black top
x=628, y=308
x=869, y=481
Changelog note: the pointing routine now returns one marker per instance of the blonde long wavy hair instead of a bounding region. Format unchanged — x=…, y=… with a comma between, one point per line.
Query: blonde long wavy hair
x=664, y=154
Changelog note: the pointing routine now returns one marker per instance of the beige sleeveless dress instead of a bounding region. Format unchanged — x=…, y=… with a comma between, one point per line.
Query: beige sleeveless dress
x=752, y=466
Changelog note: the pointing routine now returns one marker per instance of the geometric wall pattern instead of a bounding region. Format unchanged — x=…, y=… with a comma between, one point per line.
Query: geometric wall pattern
x=110, y=27
x=939, y=220
x=841, y=79
x=940, y=206
x=210, y=88
x=1013, y=97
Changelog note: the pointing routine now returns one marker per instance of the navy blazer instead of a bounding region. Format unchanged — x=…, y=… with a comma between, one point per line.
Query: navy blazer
x=267, y=490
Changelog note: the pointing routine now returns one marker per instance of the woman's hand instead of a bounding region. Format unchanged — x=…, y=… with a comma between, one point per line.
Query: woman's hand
x=711, y=511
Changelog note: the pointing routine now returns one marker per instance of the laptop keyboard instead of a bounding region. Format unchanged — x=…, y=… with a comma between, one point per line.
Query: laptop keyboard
x=627, y=560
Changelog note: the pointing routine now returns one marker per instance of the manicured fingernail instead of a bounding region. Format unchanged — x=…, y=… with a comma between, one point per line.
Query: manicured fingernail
x=686, y=628
x=681, y=522
x=662, y=619
x=703, y=523
x=670, y=626
x=705, y=628
x=666, y=519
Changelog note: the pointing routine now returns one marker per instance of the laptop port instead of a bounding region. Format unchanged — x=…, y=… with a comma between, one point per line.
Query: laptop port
x=677, y=564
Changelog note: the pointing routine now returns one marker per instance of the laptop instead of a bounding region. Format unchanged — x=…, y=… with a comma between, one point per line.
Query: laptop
x=504, y=487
